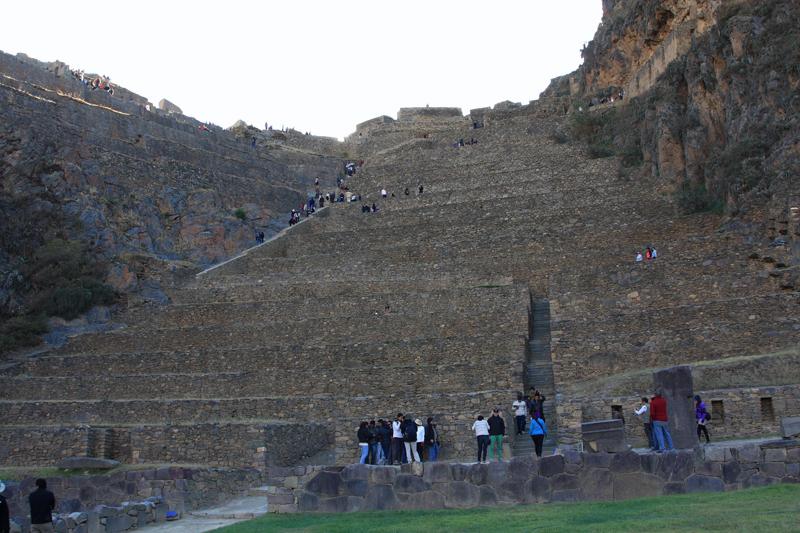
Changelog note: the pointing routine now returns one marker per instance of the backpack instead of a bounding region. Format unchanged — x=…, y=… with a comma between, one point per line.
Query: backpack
x=410, y=432
x=706, y=416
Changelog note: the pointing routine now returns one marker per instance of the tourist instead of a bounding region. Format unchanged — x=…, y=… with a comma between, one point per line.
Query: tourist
x=5, y=523
x=253, y=142
x=654, y=253
x=643, y=412
x=702, y=416
x=537, y=404
x=520, y=413
x=384, y=194
x=639, y=257
x=406, y=191
x=497, y=430
x=538, y=432
x=481, y=429
x=420, y=438
x=363, y=441
x=385, y=439
x=410, y=440
x=420, y=189
x=374, y=207
x=42, y=503
x=648, y=254
x=397, y=439
x=432, y=440
x=660, y=421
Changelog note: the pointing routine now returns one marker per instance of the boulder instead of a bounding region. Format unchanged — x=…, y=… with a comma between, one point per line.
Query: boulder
x=626, y=462
x=422, y=500
x=700, y=483
x=381, y=498
x=550, y=466
x=537, y=490
x=437, y=473
x=637, y=485
x=460, y=494
x=325, y=484
x=81, y=463
x=596, y=484
x=790, y=426
x=169, y=107
x=410, y=483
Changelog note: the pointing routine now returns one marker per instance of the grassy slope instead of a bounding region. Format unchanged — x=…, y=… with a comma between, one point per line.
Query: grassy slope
x=773, y=509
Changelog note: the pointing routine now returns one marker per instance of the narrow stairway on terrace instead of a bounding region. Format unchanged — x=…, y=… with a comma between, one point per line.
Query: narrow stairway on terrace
x=539, y=374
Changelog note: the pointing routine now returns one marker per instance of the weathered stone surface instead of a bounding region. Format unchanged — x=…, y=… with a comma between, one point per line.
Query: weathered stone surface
x=383, y=475
x=325, y=484
x=773, y=469
x=700, y=483
x=169, y=107
x=552, y=465
x=437, y=473
x=497, y=473
x=569, y=495
x=596, y=484
x=381, y=498
x=790, y=426
x=356, y=487
x=774, y=455
x=537, y=490
x=357, y=471
x=488, y=496
x=636, y=485
x=410, y=483
x=422, y=500
x=478, y=474
x=674, y=488
x=677, y=386
x=598, y=460
x=307, y=501
x=459, y=471
x=675, y=466
x=731, y=472
x=626, y=462
x=461, y=494
x=93, y=463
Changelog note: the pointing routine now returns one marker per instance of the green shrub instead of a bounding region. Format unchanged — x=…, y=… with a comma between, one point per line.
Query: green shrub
x=600, y=151
x=696, y=198
x=240, y=213
x=21, y=331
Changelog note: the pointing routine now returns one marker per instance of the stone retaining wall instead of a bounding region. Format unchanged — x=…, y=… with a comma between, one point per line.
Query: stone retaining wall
x=102, y=497
x=573, y=476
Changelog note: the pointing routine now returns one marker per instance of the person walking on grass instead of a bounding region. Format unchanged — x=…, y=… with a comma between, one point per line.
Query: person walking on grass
x=702, y=416
x=497, y=429
x=481, y=429
x=660, y=421
x=538, y=432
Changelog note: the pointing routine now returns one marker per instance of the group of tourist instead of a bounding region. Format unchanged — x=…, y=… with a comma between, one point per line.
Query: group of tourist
x=460, y=143
x=42, y=502
x=650, y=253
x=405, y=440
x=101, y=82
x=653, y=415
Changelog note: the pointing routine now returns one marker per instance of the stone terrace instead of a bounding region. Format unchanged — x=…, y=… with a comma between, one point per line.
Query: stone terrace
x=422, y=308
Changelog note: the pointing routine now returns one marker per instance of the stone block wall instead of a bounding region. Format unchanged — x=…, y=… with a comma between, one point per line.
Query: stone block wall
x=573, y=476
x=37, y=446
x=181, y=489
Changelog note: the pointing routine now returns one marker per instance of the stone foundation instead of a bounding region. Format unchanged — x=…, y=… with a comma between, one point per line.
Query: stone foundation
x=573, y=476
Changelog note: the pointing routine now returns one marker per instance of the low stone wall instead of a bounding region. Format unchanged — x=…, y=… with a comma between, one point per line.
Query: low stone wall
x=101, y=497
x=573, y=476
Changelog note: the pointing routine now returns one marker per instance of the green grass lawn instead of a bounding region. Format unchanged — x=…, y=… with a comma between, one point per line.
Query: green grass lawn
x=769, y=509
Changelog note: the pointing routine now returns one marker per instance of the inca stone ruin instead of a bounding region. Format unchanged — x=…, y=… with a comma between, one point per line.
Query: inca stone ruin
x=514, y=268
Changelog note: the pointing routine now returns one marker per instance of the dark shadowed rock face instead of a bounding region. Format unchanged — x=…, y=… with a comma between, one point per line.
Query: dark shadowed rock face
x=147, y=190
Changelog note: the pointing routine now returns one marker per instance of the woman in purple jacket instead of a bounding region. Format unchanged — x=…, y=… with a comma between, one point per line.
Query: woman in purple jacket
x=702, y=417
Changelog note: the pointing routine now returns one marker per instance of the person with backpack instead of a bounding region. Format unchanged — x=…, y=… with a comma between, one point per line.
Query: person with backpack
x=538, y=432
x=410, y=440
x=702, y=416
x=481, y=429
x=497, y=429
x=363, y=441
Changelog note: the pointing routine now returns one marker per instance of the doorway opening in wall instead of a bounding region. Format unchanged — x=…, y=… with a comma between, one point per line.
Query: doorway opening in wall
x=767, y=410
x=717, y=411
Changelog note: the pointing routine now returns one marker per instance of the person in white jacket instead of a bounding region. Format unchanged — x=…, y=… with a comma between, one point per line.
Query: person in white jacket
x=481, y=429
x=420, y=438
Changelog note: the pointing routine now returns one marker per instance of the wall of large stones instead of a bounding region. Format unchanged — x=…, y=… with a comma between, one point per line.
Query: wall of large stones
x=572, y=476
x=184, y=489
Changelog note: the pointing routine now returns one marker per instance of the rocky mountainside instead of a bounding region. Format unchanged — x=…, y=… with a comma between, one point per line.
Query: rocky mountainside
x=711, y=100
x=134, y=193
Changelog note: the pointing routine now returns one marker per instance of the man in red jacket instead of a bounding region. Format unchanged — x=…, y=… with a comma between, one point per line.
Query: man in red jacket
x=660, y=421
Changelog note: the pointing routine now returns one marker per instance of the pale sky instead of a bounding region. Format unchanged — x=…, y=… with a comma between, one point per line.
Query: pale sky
x=318, y=66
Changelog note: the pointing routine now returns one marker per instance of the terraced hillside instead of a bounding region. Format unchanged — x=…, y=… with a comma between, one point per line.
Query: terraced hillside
x=514, y=268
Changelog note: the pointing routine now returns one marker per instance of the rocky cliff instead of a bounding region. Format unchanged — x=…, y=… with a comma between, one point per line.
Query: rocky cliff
x=143, y=193
x=711, y=100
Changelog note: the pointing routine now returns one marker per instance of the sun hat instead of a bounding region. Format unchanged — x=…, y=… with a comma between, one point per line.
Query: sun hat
x=418, y=422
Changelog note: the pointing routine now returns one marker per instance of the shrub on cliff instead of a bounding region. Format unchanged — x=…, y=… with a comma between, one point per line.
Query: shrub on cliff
x=241, y=214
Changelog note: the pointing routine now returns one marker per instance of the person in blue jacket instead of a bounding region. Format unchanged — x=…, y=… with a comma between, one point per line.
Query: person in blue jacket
x=538, y=432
